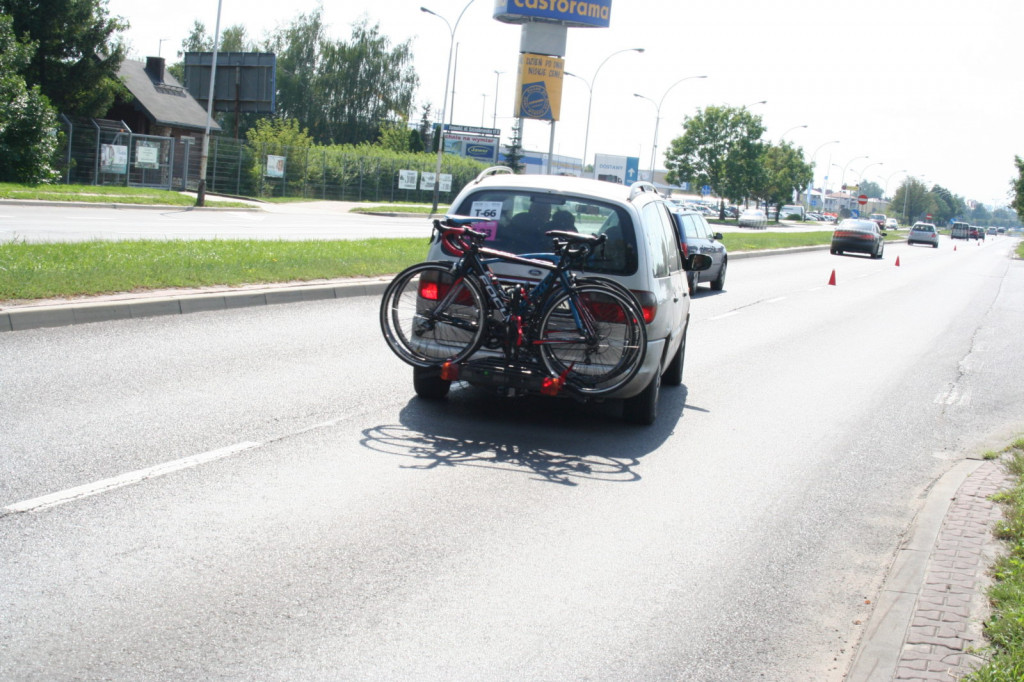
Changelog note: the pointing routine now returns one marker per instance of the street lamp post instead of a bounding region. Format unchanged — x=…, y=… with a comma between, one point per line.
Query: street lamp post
x=497, y=80
x=842, y=178
x=791, y=130
x=860, y=175
x=813, y=157
x=886, y=190
x=590, y=97
x=657, y=120
x=444, y=105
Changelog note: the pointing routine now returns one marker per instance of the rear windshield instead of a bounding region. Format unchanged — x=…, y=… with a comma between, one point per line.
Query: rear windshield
x=517, y=220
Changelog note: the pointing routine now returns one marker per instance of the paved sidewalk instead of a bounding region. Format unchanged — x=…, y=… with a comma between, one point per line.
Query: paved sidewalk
x=928, y=619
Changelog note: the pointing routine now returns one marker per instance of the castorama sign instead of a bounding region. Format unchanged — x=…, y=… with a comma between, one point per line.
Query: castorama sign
x=577, y=13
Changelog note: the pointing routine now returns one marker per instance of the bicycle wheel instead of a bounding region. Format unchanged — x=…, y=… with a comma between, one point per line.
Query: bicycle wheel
x=595, y=335
x=429, y=318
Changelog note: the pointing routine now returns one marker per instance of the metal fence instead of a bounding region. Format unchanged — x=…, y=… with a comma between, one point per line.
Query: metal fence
x=99, y=152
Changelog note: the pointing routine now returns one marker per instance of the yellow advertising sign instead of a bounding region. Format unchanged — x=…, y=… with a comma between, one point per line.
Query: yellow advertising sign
x=539, y=89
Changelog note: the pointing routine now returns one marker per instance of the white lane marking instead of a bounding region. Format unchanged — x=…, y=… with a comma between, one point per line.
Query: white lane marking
x=724, y=315
x=107, y=484
x=777, y=299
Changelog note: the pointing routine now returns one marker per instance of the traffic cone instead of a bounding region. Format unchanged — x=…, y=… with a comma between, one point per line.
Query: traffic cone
x=832, y=279
x=954, y=247
x=897, y=261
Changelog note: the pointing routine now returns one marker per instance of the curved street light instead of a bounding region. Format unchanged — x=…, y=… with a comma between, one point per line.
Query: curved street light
x=657, y=120
x=763, y=101
x=886, y=190
x=842, y=178
x=825, y=177
x=590, y=97
x=790, y=130
x=444, y=105
x=860, y=175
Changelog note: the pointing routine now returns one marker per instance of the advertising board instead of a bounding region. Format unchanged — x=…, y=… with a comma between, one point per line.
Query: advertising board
x=578, y=13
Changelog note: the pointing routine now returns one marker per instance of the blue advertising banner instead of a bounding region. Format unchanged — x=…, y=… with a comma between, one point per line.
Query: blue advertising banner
x=579, y=13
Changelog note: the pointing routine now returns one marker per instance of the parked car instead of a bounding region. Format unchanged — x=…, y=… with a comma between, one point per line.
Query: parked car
x=753, y=217
x=641, y=253
x=695, y=236
x=878, y=219
x=891, y=224
x=860, y=236
x=923, y=233
x=791, y=212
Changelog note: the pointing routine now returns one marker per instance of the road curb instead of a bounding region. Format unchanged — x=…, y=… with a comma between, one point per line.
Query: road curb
x=135, y=306
x=881, y=650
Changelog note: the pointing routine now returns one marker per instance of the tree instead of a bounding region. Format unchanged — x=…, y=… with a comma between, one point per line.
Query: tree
x=721, y=148
x=78, y=52
x=1017, y=187
x=514, y=150
x=396, y=136
x=872, y=189
x=912, y=200
x=27, y=121
x=785, y=174
x=426, y=128
x=342, y=91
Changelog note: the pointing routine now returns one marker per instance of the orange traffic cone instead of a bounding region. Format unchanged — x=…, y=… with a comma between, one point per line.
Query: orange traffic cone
x=897, y=261
x=954, y=247
x=832, y=279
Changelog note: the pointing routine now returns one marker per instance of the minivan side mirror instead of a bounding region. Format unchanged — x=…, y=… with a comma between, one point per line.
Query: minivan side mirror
x=698, y=262
x=717, y=236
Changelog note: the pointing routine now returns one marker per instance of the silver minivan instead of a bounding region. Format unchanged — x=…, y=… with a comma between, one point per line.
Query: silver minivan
x=641, y=252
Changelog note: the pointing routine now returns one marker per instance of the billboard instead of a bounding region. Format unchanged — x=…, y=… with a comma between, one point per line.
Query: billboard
x=578, y=13
x=539, y=90
x=624, y=170
x=245, y=82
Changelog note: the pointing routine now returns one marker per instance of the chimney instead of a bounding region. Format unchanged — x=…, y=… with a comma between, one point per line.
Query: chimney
x=155, y=68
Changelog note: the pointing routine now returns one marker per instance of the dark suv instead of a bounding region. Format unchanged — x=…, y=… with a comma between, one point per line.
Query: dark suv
x=695, y=236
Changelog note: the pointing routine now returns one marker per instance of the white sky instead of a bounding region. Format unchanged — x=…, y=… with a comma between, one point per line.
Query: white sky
x=933, y=88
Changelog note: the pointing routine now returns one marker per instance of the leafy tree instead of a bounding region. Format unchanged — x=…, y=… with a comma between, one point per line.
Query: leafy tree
x=426, y=128
x=1017, y=187
x=396, y=136
x=784, y=173
x=912, y=200
x=27, y=121
x=872, y=189
x=78, y=52
x=274, y=135
x=514, y=150
x=341, y=91
x=721, y=148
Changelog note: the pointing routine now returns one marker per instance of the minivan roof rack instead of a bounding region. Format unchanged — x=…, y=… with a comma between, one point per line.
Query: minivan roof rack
x=641, y=187
x=494, y=170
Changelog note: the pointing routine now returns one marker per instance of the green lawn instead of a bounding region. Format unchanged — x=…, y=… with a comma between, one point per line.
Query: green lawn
x=36, y=271
x=105, y=194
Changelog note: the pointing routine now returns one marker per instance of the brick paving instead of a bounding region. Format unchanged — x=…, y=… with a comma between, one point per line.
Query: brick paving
x=946, y=628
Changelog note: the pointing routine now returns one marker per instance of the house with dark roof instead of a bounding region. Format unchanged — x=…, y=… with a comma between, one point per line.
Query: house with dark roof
x=161, y=105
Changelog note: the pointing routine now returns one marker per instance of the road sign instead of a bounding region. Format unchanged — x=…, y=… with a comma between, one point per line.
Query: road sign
x=928, y=216
x=705, y=190
x=862, y=199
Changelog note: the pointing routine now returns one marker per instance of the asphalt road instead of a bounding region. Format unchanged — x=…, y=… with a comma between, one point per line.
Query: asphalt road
x=49, y=222
x=319, y=522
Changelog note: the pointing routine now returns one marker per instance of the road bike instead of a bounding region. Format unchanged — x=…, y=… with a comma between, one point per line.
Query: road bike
x=584, y=333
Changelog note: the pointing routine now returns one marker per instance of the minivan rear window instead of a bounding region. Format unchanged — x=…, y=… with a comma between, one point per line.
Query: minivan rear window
x=516, y=221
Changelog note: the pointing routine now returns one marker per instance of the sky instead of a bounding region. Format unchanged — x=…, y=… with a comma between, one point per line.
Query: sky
x=932, y=90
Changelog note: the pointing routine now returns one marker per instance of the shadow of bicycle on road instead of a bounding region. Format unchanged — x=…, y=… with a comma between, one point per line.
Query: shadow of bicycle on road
x=555, y=440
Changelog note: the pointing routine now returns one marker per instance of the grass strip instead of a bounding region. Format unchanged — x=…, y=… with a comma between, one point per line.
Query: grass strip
x=58, y=270
x=1005, y=628
x=104, y=194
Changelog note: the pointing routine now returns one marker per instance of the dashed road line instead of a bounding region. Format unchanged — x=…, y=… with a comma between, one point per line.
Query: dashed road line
x=130, y=478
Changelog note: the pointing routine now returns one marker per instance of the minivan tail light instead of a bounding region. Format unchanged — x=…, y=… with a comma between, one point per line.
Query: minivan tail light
x=648, y=304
